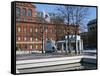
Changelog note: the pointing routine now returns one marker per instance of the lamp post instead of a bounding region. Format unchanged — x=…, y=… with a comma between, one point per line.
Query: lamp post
x=43, y=39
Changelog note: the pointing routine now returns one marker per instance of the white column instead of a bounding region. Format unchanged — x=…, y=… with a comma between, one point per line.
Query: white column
x=76, y=46
x=66, y=46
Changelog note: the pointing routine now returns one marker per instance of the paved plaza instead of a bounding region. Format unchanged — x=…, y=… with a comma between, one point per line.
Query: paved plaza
x=50, y=62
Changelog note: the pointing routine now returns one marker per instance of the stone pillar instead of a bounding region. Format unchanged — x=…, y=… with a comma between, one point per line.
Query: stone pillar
x=66, y=46
x=76, y=46
x=62, y=47
x=70, y=46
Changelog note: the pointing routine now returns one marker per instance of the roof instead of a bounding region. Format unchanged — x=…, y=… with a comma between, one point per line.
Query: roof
x=33, y=5
x=94, y=21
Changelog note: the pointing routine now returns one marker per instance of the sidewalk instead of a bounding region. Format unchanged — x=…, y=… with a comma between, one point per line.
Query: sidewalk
x=44, y=55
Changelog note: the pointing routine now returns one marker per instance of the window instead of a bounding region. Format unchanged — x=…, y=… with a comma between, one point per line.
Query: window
x=36, y=30
x=23, y=12
x=31, y=30
x=46, y=30
x=41, y=46
x=31, y=38
x=25, y=30
x=90, y=29
x=18, y=11
x=51, y=30
x=93, y=28
x=29, y=12
x=36, y=39
x=25, y=46
x=41, y=29
x=30, y=46
x=25, y=38
x=36, y=46
x=19, y=46
x=19, y=29
x=19, y=39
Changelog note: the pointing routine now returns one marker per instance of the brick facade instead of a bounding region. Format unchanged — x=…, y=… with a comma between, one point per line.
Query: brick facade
x=30, y=30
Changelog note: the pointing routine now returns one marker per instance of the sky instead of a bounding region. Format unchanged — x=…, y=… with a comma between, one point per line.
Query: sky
x=52, y=8
x=48, y=8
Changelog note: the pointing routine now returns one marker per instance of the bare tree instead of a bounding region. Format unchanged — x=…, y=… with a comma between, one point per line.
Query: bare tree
x=73, y=15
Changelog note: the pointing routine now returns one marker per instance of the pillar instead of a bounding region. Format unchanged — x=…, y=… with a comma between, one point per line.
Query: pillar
x=76, y=46
x=70, y=46
x=43, y=48
x=80, y=46
x=66, y=46
x=62, y=47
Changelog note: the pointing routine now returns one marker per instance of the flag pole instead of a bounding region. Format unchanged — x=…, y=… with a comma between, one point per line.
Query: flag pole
x=47, y=19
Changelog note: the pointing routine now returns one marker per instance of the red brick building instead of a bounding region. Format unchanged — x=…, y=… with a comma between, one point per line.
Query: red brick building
x=30, y=28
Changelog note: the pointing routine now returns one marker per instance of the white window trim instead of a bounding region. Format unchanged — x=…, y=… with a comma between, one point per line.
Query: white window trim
x=31, y=46
x=31, y=39
x=36, y=39
x=31, y=29
x=36, y=30
x=25, y=38
x=19, y=29
x=19, y=38
x=36, y=46
x=25, y=30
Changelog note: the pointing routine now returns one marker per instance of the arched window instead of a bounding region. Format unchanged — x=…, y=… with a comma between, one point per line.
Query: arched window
x=29, y=12
x=18, y=11
x=23, y=12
